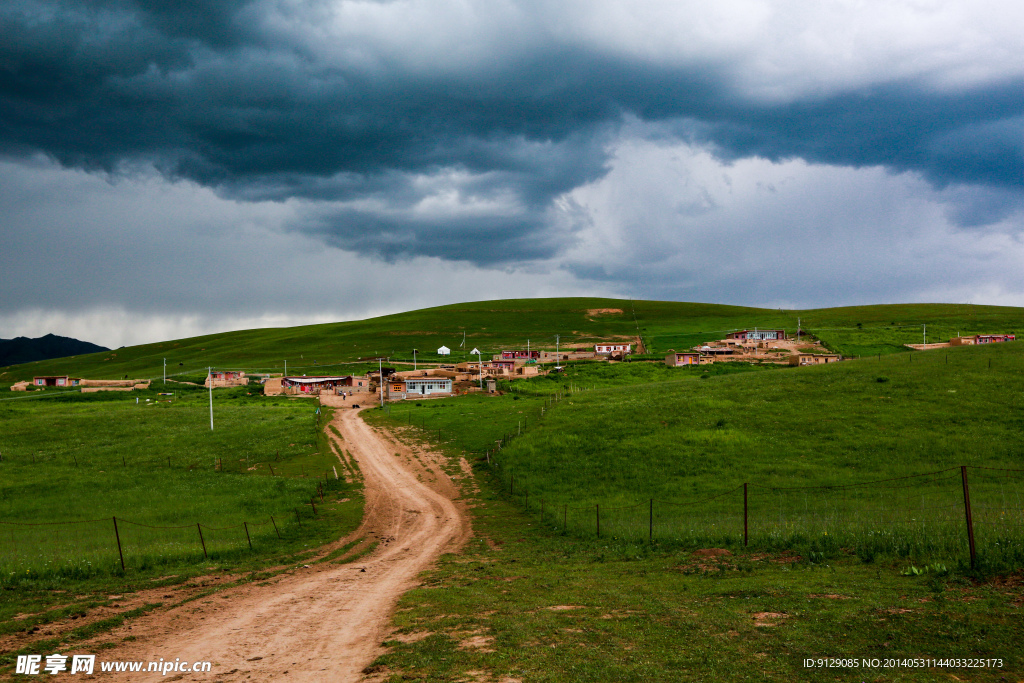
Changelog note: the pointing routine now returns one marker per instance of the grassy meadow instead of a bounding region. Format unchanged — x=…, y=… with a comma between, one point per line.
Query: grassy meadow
x=805, y=440
x=530, y=599
x=492, y=325
x=523, y=602
x=73, y=462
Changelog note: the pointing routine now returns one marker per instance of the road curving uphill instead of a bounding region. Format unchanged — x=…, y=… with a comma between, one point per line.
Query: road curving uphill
x=325, y=621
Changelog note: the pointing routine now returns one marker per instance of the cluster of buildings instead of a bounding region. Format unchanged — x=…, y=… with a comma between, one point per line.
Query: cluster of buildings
x=981, y=339
x=41, y=382
x=771, y=345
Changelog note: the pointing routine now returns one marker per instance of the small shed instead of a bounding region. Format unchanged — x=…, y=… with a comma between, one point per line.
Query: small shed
x=814, y=358
x=674, y=359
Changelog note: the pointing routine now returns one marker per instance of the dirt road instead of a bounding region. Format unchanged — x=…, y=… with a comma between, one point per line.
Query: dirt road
x=325, y=622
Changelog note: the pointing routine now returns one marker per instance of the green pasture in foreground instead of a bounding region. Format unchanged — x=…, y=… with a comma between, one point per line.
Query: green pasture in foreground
x=523, y=602
x=493, y=325
x=690, y=444
x=156, y=463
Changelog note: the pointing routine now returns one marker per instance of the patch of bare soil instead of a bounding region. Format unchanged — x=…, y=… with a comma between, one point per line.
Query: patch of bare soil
x=321, y=621
x=591, y=312
x=768, y=618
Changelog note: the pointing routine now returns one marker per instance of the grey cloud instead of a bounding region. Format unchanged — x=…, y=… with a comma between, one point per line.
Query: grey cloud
x=205, y=92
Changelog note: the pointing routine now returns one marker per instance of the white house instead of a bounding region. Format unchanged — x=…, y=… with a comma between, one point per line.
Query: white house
x=424, y=386
x=444, y=351
x=609, y=349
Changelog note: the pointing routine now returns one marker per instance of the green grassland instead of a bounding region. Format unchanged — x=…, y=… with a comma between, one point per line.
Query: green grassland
x=493, y=325
x=689, y=438
x=556, y=455
x=523, y=602
x=532, y=600
x=72, y=462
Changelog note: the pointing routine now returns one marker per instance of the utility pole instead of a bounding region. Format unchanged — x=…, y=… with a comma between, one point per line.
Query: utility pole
x=414, y=360
x=165, y=371
x=380, y=371
x=558, y=356
x=286, y=368
x=209, y=375
x=480, y=360
x=798, y=330
x=924, y=334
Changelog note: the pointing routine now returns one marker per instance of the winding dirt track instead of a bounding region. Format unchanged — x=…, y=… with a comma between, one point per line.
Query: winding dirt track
x=325, y=622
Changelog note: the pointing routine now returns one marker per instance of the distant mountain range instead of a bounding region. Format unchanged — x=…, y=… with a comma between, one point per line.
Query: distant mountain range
x=25, y=350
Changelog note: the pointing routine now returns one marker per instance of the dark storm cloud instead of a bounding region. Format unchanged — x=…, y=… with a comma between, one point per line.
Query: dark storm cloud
x=206, y=91
x=974, y=136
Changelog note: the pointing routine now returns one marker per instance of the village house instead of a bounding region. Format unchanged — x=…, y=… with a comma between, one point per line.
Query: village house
x=994, y=338
x=813, y=358
x=55, y=381
x=427, y=386
x=394, y=388
x=707, y=350
x=981, y=339
x=674, y=359
x=519, y=355
x=613, y=349
x=226, y=378
x=314, y=386
x=758, y=335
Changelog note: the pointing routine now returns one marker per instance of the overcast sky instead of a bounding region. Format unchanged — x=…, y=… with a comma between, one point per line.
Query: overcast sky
x=170, y=168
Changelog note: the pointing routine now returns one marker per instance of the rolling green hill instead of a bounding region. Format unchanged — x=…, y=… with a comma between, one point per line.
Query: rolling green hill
x=809, y=441
x=492, y=325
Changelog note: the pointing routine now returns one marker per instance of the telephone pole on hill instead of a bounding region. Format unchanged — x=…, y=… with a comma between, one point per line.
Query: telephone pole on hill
x=209, y=378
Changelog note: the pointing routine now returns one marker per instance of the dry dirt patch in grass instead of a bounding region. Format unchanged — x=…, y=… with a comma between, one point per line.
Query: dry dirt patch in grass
x=479, y=643
x=768, y=618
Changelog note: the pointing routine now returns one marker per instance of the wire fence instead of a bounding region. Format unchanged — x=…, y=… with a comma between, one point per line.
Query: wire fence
x=117, y=543
x=967, y=512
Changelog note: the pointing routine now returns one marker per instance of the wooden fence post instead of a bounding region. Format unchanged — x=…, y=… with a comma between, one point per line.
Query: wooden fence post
x=246, y=525
x=297, y=517
x=746, y=538
x=118, y=537
x=202, y=540
x=275, y=526
x=967, y=512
